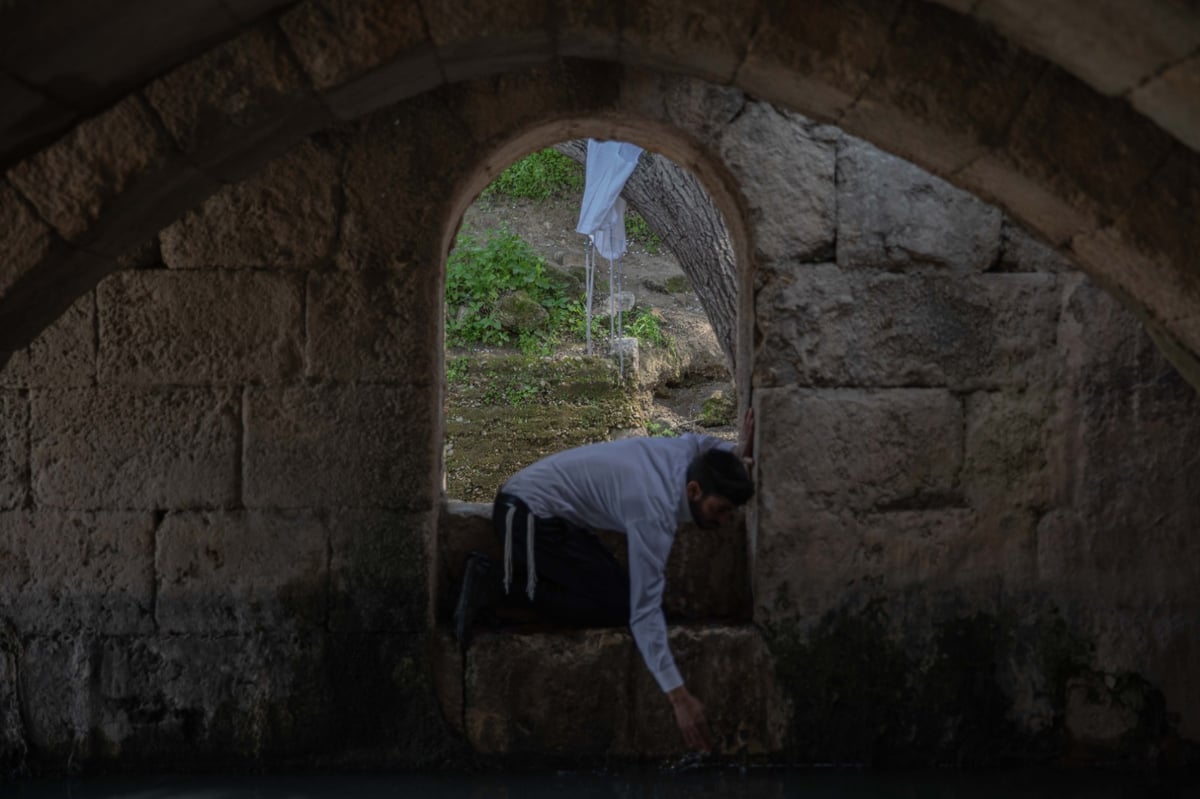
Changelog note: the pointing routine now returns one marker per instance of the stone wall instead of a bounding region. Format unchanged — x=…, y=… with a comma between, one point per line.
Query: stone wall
x=978, y=485
x=220, y=485
x=221, y=508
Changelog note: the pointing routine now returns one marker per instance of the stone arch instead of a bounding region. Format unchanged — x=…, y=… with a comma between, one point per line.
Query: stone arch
x=1089, y=173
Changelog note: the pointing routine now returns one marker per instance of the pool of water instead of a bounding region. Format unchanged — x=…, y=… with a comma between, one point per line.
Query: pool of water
x=753, y=783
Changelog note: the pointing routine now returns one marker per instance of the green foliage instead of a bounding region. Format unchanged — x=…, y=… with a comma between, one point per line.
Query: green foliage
x=657, y=427
x=538, y=176
x=477, y=275
x=644, y=325
x=456, y=370
x=637, y=230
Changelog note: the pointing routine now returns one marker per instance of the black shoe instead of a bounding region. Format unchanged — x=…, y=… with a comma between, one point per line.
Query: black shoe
x=481, y=589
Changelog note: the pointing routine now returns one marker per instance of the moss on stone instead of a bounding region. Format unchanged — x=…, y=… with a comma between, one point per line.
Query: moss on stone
x=718, y=410
x=504, y=412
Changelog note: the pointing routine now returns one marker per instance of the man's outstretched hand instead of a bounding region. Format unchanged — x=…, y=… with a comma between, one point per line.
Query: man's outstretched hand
x=689, y=715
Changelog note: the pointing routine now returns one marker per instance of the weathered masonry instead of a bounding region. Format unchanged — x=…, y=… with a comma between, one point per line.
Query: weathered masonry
x=220, y=519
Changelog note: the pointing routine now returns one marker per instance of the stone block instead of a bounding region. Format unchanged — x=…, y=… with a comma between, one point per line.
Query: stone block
x=284, y=217
x=730, y=670
x=893, y=215
x=1153, y=223
x=942, y=105
x=63, y=354
x=374, y=325
x=391, y=221
x=241, y=571
x=817, y=56
x=364, y=445
x=474, y=40
x=237, y=105
x=380, y=570
x=1094, y=712
x=1094, y=40
x=14, y=449
x=1065, y=129
x=82, y=176
x=24, y=239
x=55, y=676
x=699, y=38
x=13, y=746
x=825, y=327
x=162, y=326
x=1021, y=252
x=562, y=693
x=68, y=572
x=1006, y=450
x=707, y=575
x=1122, y=396
x=589, y=30
x=895, y=449
x=363, y=56
x=1172, y=99
x=774, y=155
x=206, y=699
x=134, y=448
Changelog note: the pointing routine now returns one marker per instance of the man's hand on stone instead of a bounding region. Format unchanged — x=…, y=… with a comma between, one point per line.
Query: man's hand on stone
x=689, y=715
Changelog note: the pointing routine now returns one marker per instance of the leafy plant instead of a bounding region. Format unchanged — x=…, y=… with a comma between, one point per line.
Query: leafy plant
x=479, y=274
x=659, y=428
x=636, y=229
x=538, y=176
x=644, y=325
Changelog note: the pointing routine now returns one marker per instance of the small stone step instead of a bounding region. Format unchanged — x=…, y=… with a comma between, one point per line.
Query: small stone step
x=587, y=694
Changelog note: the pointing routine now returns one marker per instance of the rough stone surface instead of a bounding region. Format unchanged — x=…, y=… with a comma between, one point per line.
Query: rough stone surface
x=241, y=571
x=1091, y=39
x=63, y=354
x=391, y=216
x=858, y=449
x=241, y=101
x=373, y=325
x=663, y=33
x=563, y=693
x=284, y=217
x=24, y=239
x=134, y=448
x=827, y=327
x=353, y=446
x=943, y=122
x=14, y=449
x=841, y=43
x=54, y=674
x=202, y=328
x=380, y=570
x=363, y=56
x=729, y=669
x=1064, y=130
x=776, y=160
x=1006, y=449
x=1021, y=252
x=588, y=692
x=13, y=745
x=78, y=571
x=475, y=41
x=1172, y=99
x=75, y=181
x=893, y=215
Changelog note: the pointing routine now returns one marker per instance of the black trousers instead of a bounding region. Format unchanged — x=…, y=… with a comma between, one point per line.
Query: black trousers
x=579, y=582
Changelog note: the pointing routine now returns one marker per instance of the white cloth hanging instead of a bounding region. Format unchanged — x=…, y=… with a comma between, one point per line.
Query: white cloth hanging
x=602, y=213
